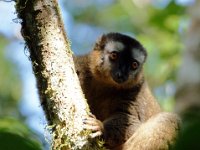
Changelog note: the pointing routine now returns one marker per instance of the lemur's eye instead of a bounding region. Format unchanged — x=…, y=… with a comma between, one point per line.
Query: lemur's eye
x=113, y=55
x=135, y=65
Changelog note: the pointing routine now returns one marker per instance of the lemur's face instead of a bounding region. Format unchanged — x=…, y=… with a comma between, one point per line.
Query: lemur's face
x=122, y=58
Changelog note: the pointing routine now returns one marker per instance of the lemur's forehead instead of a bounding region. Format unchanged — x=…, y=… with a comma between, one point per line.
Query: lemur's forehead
x=114, y=46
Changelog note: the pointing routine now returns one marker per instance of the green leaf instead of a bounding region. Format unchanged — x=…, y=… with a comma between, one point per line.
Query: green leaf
x=16, y=136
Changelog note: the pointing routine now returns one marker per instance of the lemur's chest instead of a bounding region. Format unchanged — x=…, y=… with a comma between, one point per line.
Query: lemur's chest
x=106, y=102
x=102, y=103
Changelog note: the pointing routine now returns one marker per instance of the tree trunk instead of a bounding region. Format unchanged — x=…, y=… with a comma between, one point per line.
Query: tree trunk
x=188, y=92
x=58, y=85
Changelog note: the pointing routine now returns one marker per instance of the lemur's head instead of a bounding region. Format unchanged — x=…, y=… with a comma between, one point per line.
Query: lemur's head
x=118, y=59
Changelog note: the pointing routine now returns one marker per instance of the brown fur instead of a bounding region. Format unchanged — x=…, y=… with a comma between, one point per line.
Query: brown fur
x=126, y=109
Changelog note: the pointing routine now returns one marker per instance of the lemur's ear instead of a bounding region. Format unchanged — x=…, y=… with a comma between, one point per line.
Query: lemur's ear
x=100, y=43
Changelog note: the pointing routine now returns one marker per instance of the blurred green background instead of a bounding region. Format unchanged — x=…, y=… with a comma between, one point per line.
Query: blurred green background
x=159, y=25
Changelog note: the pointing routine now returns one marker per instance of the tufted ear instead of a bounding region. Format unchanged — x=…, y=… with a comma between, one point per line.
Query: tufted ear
x=145, y=54
x=100, y=43
x=139, y=54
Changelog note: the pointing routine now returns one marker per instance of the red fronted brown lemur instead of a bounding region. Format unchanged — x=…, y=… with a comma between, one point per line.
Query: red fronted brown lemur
x=125, y=113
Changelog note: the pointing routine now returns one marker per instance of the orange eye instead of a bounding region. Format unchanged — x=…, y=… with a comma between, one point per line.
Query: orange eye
x=113, y=55
x=135, y=65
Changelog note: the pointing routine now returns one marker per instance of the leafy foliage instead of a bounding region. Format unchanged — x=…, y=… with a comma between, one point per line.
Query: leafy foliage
x=15, y=135
x=10, y=84
x=189, y=136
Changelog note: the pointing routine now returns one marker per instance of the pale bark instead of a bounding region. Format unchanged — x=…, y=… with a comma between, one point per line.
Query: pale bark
x=58, y=85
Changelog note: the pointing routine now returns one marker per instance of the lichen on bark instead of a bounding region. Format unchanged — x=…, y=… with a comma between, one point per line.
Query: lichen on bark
x=58, y=85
